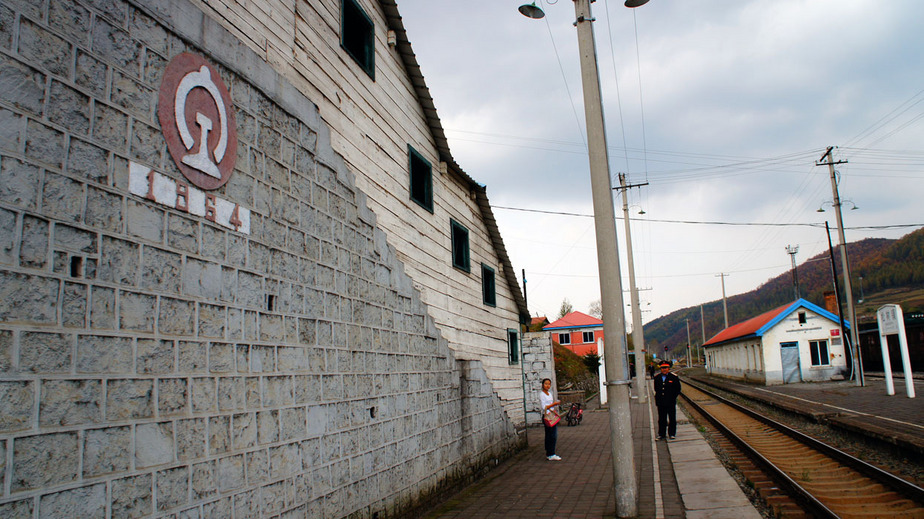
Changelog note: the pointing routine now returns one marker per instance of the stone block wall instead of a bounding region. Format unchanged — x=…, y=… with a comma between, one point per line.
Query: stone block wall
x=538, y=363
x=153, y=363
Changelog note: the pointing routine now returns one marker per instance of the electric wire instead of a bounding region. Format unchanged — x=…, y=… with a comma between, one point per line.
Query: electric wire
x=565, y=78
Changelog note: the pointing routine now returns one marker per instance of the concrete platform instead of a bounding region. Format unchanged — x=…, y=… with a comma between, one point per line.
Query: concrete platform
x=676, y=478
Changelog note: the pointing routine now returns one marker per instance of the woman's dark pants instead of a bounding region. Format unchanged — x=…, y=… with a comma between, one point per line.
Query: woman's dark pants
x=551, y=436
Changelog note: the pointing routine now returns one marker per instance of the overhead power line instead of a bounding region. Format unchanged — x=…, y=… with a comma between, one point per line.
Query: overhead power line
x=699, y=222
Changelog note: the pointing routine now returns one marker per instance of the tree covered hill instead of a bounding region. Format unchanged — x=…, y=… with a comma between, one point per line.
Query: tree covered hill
x=892, y=271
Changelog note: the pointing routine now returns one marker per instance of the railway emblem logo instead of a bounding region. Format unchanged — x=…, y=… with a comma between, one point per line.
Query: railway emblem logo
x=197, y=119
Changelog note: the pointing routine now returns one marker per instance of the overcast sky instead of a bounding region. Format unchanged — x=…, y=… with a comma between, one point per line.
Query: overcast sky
x=722, y=107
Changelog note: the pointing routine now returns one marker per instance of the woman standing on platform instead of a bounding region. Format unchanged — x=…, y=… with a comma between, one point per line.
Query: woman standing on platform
x=550, y=419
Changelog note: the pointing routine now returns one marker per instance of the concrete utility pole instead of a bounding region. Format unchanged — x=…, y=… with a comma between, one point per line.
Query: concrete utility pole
x=638, y=335
x=795, y=274
x=702, y=322
x=845, y=265
x=614, y=326
x=724, y=303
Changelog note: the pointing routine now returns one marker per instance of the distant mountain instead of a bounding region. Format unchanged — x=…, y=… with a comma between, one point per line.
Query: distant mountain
x=892, y=271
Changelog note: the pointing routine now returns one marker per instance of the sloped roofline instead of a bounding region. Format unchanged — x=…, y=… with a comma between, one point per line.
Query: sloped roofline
x=574, y=320
x=478, y=191
x=766, y=321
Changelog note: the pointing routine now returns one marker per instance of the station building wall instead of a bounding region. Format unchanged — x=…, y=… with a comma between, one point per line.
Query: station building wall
x=156, y=362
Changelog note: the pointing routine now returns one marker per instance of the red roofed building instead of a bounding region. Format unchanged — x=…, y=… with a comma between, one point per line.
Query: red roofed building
x=577, y=331
x=797, y=342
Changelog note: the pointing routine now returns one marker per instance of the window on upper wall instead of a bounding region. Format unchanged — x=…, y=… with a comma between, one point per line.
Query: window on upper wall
x=421, y=179
x=564, y=338
x=488, y=292
x=357, y=35
x=802, y=318
x=588, y=336
x=459, y=246
x=513, y=346
x=819, y=351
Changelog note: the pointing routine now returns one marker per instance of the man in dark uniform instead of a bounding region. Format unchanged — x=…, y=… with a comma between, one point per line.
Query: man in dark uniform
x=667, y=388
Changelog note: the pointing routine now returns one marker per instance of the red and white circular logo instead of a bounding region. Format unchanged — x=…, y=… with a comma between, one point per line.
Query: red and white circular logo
x=197, y=118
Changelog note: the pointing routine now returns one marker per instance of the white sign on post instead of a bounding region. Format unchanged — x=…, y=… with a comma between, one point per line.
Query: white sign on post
x=891, y=321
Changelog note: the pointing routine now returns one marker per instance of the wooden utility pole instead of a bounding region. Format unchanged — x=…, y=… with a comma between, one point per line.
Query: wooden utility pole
x=845, y=265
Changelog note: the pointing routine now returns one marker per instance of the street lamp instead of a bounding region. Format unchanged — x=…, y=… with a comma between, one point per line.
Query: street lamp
x=614, y=326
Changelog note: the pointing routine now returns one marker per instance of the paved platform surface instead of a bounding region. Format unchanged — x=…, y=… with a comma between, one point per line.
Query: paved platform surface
x=676, y=478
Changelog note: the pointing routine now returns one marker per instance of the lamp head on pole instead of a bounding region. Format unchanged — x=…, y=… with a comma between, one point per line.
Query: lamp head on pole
x=635, y=3
x=531, y=11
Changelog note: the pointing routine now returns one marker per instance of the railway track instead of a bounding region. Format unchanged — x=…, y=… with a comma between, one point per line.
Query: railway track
x=823, y=481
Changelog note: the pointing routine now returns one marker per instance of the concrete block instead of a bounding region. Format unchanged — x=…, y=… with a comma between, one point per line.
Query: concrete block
x=243, y=431
x=257, y=467
x=146, y=143
x=128, y=399
x=203, y=395
x=137, y=312
x=119, y=261
x=221, y=357
x=172, y=396
x=231, y=473
x=132, y=96
x=69, y=108
x=87, y=160
x=17, y=403
x=44, y=144
x=70, y=402
x=70, y=19
x=41, y=352
x=43, y=48
x=172, y=487
x=102, y=308
x=133, y=496
x=182, y=233
x=102, y=354
x=33, y=249
x=202, y=279
x=44, y=460
x=36, y=305
x=161, y=270
x=90, y=74
x=267, y=427
x=190, y=439
x=204, y=480
x=231, y=394
x=89, y=501
x=176, y=317
x=7, y=18
x=192, y=357
x=107, y=451
x=110, y=126
x=115, y=44
x=22, y=86
x=155, y=356
x=219, y=434
x=154, y=444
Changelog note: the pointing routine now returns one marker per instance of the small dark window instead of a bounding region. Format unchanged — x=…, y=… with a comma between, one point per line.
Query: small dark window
x=76, y=266
x=801, y=317
x=819, y=352
x=588, y=336
x=460, y=258
x=357, y=35
x=488, y=292
x=270, y=302
x=513, y=346
x=564, y=338
x=421, y=179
